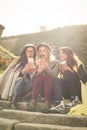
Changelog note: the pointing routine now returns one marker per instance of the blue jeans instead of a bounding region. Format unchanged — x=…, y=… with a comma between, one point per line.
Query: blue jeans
x=21, y=88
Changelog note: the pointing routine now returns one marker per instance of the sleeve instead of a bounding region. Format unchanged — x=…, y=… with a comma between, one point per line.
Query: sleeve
x=53, y=68
x=32, y=76
x=21, y=75
x=82, y=73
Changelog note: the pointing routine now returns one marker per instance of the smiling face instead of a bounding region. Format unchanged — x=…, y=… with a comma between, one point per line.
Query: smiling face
x=62, y=55
x=29, y=52
x=43, y=52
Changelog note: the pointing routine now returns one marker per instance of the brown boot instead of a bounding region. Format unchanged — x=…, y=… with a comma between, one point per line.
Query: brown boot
x=31, y=106
x=46, y=107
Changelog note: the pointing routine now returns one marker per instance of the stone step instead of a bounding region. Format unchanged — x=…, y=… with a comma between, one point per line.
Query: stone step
x=33, y=126
x=22, y=105
x=41, y=118
x=7, y=124
x=10, y=124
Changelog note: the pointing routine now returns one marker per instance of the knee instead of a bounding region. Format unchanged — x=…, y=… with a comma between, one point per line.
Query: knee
x=38, y=78
x=68, y=73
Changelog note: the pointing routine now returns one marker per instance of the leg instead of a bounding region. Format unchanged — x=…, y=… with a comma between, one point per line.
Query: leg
x=27, y=88
x=65, y=93
x=70, y=83
x=37, y=86
x=48, y=90
x=17, y=90
x=57, y=91
x=59, y=106
x=48, y=87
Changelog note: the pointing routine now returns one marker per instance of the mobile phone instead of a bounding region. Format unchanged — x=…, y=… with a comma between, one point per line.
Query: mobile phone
x=30, y=60
x=63, y=62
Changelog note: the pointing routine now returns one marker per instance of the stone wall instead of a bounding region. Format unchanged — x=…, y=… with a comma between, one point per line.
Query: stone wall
x=1, y=29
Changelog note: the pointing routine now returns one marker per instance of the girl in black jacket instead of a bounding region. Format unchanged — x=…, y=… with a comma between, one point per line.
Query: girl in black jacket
x=67, y=84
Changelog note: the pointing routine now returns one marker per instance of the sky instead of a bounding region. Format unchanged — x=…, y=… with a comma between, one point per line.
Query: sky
x=27, y=16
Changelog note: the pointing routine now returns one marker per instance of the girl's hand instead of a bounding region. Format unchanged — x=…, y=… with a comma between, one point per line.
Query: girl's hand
x=29, y=67
x=65, y=67
x=59, y=76
x=41, y=68
x=41, y=64
x=37, y=63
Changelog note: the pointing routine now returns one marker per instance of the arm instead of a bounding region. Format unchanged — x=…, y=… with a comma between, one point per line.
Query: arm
x=53, y=68
x=82, y=73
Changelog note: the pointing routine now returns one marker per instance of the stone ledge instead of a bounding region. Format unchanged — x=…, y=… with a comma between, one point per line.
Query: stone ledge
x=41, y=118
x=33, y=126
x=7, y=124
x=10, y=124
x=22, y=105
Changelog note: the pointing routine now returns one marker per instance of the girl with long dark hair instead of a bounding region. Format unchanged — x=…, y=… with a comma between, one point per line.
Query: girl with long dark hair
x=17, y=79
x=67, y=83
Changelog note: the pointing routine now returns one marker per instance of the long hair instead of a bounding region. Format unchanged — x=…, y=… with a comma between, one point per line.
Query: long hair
x=51, y=57
x=71, y=60
x=22, y=61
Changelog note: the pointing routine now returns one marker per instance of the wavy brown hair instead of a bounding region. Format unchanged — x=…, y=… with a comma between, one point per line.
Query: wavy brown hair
x=71, y=61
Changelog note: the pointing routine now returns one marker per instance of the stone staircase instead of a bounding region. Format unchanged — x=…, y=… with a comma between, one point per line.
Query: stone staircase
x=24, y=120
